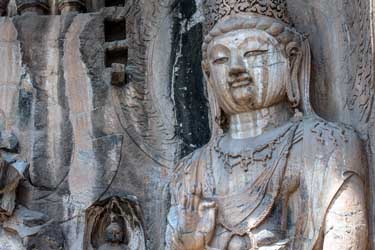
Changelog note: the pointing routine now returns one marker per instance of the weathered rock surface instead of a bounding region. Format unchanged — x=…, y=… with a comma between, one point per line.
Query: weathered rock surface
x=87, y=139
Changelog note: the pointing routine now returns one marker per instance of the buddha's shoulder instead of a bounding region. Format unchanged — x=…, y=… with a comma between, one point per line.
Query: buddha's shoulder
x=191, y=161
x=329, y=134
x=332, y=139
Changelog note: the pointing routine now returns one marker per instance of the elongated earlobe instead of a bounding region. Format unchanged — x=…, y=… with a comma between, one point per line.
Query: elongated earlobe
x=205, y=69
x=292, y=84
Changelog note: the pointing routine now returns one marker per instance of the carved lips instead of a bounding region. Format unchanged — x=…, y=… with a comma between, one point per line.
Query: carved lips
x=242, y=81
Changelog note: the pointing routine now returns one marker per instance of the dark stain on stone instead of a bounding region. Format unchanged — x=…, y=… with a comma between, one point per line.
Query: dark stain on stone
x=66, y=128
x=189, y=92
x=93, y=37
x=92, y=40
x=25, y=99
x=91, y=47
x=34, y=50
x=186, y=8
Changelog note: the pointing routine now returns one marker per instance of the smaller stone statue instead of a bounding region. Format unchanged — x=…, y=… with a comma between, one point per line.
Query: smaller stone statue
x=114, y=224
x=115, y=237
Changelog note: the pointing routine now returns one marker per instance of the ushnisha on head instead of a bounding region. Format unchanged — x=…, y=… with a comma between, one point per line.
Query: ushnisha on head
x=251, y=56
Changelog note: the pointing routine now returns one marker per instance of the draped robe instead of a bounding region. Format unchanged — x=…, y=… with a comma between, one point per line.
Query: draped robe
x=321, y=158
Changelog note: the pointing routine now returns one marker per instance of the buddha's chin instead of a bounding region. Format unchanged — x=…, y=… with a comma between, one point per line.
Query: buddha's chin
x=243, y=95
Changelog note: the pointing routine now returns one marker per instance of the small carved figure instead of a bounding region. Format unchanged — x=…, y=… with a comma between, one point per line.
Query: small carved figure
x=115, y=237
x=275, y=176
x=114, y=224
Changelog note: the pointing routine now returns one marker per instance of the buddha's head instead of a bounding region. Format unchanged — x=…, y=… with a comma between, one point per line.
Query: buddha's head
x=252, y=60
x=114, y=233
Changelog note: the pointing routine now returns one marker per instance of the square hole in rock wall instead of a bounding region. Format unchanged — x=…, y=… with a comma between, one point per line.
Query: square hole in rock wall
x=114, y=30
x=116, y=56
x=110, y=3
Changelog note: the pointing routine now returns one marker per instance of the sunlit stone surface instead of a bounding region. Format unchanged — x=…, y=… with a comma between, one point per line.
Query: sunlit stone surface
x=102, y=100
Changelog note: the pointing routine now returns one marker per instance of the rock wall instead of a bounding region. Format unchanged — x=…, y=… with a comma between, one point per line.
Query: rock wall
x=87, y=139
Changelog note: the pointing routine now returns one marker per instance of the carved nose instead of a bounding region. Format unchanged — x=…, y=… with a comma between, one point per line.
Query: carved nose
x=236, y=67
x=236, y=70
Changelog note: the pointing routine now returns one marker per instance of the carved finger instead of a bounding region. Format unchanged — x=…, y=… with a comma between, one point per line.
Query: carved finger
x=192, y=189
x=205, y=207
x=197, y=197
x=211, y=213
x=190, y=202
x=184, y=201
x=197, y=201
x=208, y=220
x=200, y=190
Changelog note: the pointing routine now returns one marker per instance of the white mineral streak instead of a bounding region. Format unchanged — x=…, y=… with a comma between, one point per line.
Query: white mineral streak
x=10, y=70
x=51, y=75
x=82, y=177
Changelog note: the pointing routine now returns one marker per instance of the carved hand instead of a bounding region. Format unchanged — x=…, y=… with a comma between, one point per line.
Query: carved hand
x=195, y=219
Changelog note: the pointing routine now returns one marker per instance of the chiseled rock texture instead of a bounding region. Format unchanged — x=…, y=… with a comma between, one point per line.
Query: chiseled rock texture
x=54, y=100
x=87, y=140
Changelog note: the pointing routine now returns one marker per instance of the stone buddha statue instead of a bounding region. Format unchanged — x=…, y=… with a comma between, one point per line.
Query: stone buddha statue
x=114, y=238
x=274, y=175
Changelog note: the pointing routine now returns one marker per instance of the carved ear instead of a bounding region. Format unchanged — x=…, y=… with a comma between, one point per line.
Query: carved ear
x=206, y=71
x=292, y=85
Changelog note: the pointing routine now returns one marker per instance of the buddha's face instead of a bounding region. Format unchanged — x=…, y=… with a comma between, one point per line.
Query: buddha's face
x=248, y=70
x=114, y=233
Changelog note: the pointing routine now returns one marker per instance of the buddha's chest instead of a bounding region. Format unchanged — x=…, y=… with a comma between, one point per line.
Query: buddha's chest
x=260, y=196
x=238, y=179
x=230, y=183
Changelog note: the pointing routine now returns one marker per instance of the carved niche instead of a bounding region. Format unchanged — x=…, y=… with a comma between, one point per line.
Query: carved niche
x=114, y=224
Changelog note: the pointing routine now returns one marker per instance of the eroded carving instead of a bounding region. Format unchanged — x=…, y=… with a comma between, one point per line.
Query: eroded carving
x=216, y=10
x=275, y=175
x=38, y=7
x=66, y=6
x=115, y=223
x=145, y=121
x=12, y=170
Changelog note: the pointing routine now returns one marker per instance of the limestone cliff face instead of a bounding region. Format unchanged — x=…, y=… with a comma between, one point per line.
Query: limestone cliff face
x=68, y=134
x=87, y=140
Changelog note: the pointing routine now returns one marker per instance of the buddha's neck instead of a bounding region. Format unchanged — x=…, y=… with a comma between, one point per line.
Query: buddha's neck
x=254, y=123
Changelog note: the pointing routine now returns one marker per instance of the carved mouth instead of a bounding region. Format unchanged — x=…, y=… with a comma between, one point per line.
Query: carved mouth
x=242, y=81
x=239, y=84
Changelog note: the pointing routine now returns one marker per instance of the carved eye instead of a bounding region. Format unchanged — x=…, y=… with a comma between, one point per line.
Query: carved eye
x=221, y=60
x=255, y=53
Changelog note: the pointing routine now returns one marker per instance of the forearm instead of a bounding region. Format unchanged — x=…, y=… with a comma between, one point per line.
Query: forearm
x=346, y=221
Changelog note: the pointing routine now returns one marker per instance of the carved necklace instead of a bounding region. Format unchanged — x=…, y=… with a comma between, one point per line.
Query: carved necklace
x=261, y=153
x=243, y=211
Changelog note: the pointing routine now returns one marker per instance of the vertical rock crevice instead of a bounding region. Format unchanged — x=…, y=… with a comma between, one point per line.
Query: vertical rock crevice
x=189, y=95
